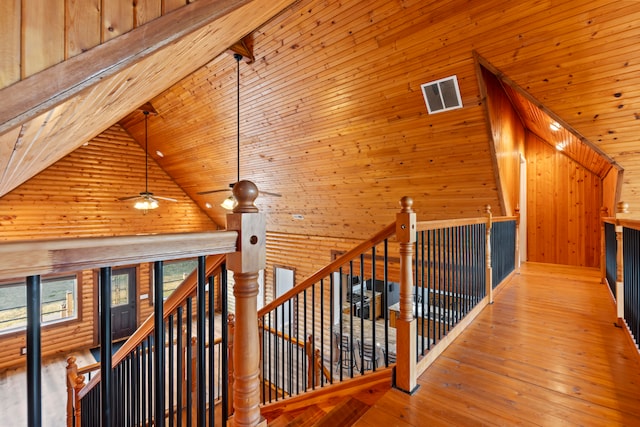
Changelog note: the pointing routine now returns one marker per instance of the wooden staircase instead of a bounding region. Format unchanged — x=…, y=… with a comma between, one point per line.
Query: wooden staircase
x=332, y=406
x=344, y=414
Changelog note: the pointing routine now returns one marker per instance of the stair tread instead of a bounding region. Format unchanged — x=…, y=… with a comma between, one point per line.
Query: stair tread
x=344, y=414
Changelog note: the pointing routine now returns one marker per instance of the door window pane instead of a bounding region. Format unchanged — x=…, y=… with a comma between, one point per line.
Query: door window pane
x=119, y=289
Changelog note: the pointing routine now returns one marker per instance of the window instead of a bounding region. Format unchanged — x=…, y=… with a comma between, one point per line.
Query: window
x=174, y=272
x=59, y=302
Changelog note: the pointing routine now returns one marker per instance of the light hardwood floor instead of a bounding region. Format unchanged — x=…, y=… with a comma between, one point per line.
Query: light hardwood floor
x=546, y=353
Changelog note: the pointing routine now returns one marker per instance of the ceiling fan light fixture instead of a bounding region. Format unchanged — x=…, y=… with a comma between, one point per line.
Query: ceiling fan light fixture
x=229, y=203
x=146, y=204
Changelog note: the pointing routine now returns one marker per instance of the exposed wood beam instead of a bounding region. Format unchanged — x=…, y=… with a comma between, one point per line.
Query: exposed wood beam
x=64, y=106
x=42, y=91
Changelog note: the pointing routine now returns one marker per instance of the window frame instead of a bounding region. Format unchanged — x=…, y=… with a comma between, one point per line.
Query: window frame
x=50, y=324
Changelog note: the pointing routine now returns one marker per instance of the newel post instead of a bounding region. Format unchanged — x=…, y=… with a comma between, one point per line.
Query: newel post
x=604, y=213
x=489, y=268
x=622, y=209
x=249, y=259
x=406, y=350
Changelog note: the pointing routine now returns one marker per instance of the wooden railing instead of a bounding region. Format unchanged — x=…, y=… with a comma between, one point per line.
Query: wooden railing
x=345, y=308
x=621, y=255
x=127, y=379
x=449, y=262
x=141, y=345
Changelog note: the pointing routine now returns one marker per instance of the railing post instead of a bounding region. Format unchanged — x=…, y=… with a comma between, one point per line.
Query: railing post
x=604, y=213
x=79, y=385
x=622, y=209
x=72, y=372
x=406, y=353
x=245, y=264
x=489, y=272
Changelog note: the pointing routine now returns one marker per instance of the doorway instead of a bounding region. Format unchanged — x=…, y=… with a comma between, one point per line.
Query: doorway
x=123, y=303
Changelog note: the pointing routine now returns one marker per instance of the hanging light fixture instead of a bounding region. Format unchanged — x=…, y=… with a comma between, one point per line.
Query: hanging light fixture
x=146, y=201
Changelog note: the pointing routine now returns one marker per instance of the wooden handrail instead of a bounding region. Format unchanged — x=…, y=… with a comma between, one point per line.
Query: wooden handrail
x=39, y=257
x=177, y=297
x=386, y=232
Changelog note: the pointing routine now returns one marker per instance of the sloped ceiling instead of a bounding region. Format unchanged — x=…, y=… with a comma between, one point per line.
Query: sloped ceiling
x=332, y=116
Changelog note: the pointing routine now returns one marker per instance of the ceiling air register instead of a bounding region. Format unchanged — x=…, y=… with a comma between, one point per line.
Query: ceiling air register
x=442, y=95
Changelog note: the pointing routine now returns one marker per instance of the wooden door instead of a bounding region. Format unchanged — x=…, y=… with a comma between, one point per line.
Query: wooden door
x=123, y=302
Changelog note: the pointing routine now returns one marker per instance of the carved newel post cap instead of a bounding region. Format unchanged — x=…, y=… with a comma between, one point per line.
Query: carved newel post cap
x=487, y=209
x=246, y=193
x=406, y=203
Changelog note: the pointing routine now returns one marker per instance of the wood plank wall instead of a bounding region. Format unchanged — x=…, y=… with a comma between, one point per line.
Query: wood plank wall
x=37, y=34
x=563, y=205
x=507, y=132
x=77, y=197
x=303, y=253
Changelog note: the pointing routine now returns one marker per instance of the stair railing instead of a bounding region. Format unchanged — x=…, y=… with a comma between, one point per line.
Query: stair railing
x=332, y=306
x=370, y=309
x=621, y=255
x=136, y=371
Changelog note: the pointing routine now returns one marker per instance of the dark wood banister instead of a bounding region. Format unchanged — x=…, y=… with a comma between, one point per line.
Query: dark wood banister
x=386, y=232
x=186, y=288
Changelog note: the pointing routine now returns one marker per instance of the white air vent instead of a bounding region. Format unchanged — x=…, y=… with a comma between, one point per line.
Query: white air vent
x=442, y=95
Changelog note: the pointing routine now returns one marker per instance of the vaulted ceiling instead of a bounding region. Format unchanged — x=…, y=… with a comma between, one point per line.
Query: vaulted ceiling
x=331, y=111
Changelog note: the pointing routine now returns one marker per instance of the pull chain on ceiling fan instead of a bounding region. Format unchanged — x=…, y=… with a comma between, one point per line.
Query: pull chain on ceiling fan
x=146, y=200
x=230, y=202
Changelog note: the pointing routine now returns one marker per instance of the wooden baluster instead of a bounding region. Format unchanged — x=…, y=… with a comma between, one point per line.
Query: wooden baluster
x=311, y=365
x=622, y=210
x=76, y=401
x=489, y=274
x=318, y=364
x=72, y=373
x=406, y=324
x=604, y=213
x=245, y=264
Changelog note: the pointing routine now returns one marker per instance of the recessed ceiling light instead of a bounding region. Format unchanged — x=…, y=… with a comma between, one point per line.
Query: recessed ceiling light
x=208, y=205
x=159, y=153
x=555, y=126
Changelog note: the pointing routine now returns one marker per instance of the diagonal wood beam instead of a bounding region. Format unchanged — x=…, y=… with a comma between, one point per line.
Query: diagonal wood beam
x=38, y=93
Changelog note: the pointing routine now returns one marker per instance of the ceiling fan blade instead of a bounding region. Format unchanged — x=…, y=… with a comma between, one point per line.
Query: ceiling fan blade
x=213, y=191
x=169, y=199
x=124, y=199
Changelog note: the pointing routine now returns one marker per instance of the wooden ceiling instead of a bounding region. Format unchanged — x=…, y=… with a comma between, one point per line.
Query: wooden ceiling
x=331, y=112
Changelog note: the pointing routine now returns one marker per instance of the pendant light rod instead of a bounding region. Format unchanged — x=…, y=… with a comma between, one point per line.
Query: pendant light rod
x=238, y=57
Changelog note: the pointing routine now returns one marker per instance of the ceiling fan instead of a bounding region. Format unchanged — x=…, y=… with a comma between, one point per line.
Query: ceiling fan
x=146, y=200
x=230, y=201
